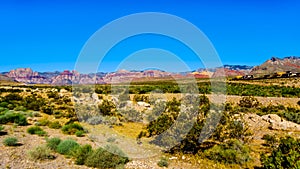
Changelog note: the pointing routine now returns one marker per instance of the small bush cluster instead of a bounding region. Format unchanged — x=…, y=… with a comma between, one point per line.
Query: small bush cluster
x=66, y=147
x=106, y=108
x=72, y=128
x=107, y=157
x=40, y=153
x=13, y=117
x=55, y=125
x=249, y=102
x=10, y=141
x=285, y=155
x=231, y=152
x=36, y=130
x=143, y=98
x=52, y=143
x=163, y=162
x=81, y=154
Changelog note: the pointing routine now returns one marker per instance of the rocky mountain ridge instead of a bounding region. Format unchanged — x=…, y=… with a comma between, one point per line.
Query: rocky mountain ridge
x=28, y=76
x=275, y=64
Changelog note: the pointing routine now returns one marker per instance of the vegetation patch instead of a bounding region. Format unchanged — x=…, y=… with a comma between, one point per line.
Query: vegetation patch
x=285, y=155
x=13, y=117
x=10, y=141
x=72, y=128
x=36, y=130
x=231, y=152
x=52, y=143
x=66, y=147
x=163, y=162
x=40, y=153
x=109, y=157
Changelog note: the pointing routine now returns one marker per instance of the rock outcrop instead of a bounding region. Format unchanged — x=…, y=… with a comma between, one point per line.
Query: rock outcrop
x=277, y=123
x=271, y=121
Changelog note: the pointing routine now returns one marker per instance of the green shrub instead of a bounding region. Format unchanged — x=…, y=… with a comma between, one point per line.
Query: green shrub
x=79, y=133
x=163, y=162
x=81, y=153
x=12, y=117
x=66, y=147
x=34, y=129
x=249, y=102
x=231, y=152
x=52, y=143
x=47, y=110
x=20, y=108
x=285, y=155
x=40, y=153
x=21, y=120
x=101, y=158
x=43, y=122
x=72, y=128
x=10, y=141
x=106, y=108
x=55, y=125
x=1, y=128
x=270, y=140
x=41, y=133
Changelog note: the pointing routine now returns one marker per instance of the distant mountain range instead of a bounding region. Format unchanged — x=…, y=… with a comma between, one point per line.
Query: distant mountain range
x=275, y=64
x=28, y=76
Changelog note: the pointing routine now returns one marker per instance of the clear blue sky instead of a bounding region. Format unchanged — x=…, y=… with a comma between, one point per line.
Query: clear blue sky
x=48, y=35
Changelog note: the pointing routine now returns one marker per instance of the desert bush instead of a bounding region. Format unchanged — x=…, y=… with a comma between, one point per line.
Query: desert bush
x=10, y=141
x=20, y=108
x=270, y=140
x=33, y=102
x=72, y=128
x=55, y=125
x=66, y=147
x=12, y=97
x=40, y=153
x=12, y=117
x=285, y=155
x=81, y=153
x=53, y=95
x=52, y=143
x=291, y=114
x=106, y=108
x=230, y=152
x=138, y=97
x=79, y=133
x=163, y=162
x=4, y=104
x=43, y=122
x=58, y=114
x=248, y=102
x=36, y=130
x=113, y=157
x=41, y=133
x=47, y=110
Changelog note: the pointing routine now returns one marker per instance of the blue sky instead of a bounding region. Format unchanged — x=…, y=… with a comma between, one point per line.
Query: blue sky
x=49, y=35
